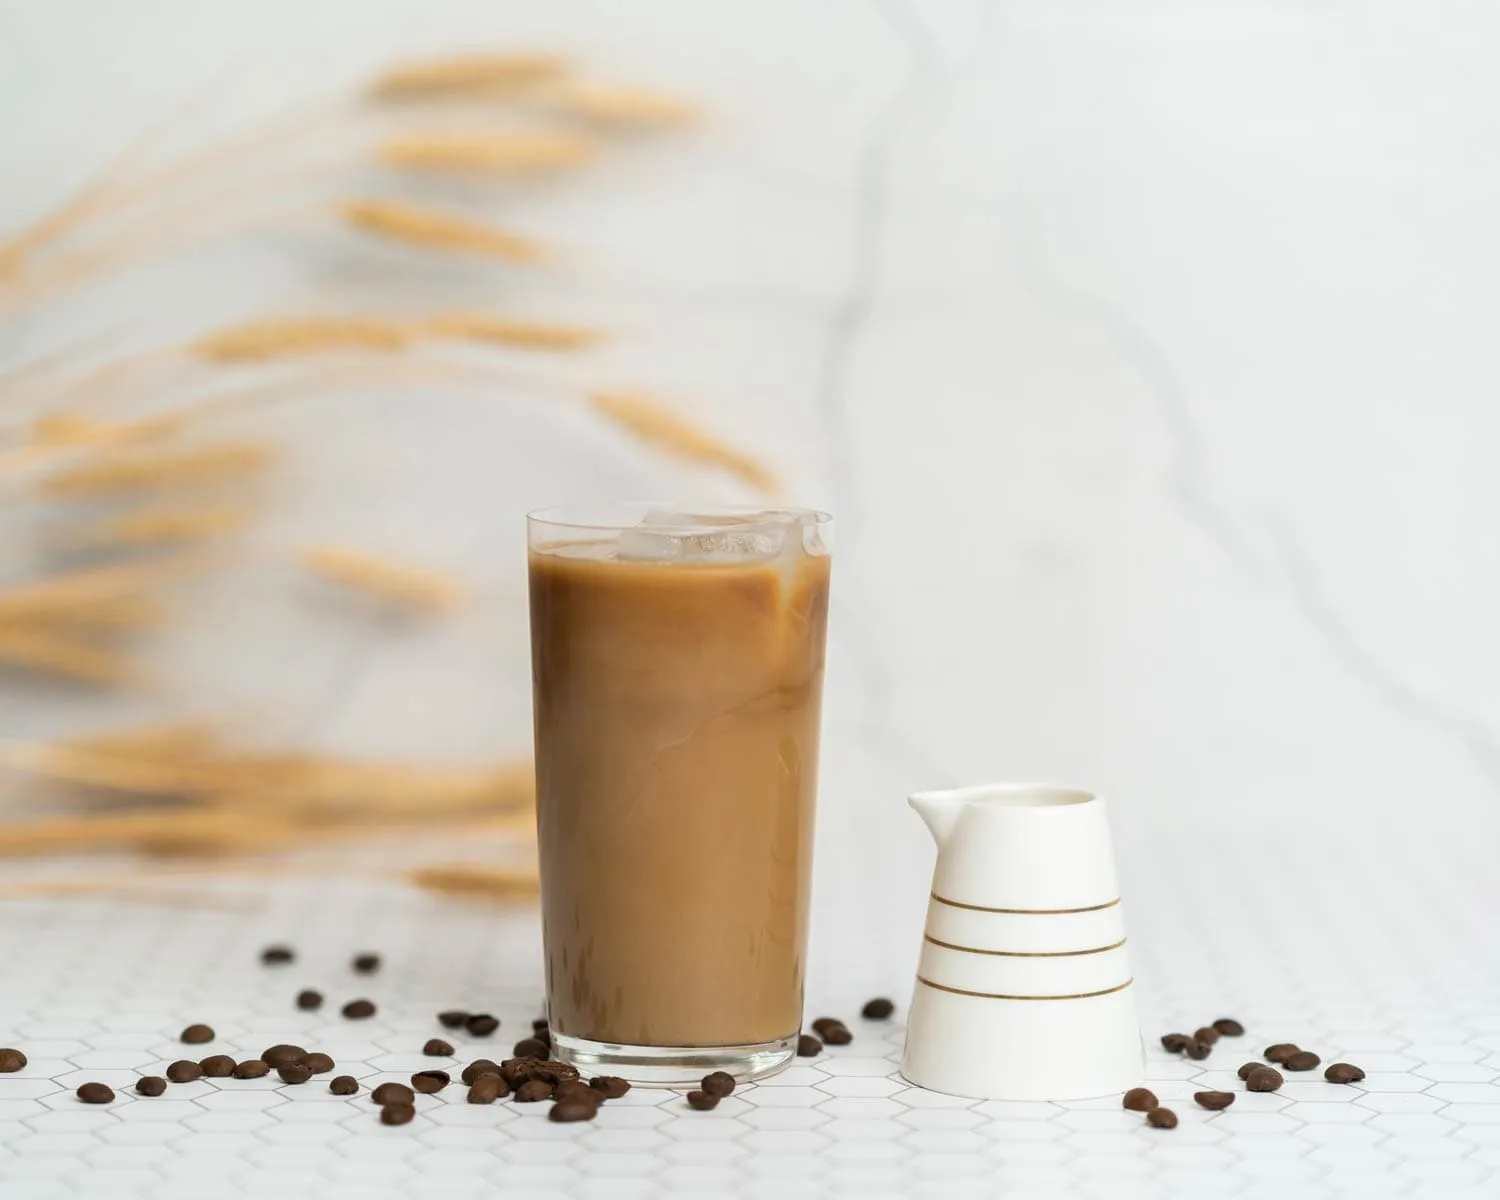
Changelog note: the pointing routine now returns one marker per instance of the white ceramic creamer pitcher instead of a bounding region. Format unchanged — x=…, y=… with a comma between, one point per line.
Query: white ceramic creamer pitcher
x=1024, y=989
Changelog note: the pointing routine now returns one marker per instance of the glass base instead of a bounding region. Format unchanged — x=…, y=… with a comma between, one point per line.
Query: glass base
x=673, y=1066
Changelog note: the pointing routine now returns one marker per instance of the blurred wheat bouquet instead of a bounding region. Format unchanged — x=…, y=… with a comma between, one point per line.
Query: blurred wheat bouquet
x=130, y=455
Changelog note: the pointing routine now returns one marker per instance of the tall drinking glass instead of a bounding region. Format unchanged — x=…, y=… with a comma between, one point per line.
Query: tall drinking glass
x=677, y=666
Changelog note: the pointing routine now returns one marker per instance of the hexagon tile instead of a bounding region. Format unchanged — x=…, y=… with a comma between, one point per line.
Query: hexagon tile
x=99, y=991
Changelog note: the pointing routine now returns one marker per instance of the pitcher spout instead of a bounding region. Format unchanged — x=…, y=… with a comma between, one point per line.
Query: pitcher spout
x=939, y=811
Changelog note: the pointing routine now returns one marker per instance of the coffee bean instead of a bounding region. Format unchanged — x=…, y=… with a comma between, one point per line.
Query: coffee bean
x=279, y=1055
x=358, y=1010
x=151, y=1085
x=836, y=1035
x=533, y=1090
x=1280, y=1052
x=611, y=1087
x=544, y=1036
x=718, y=1083
x=11, y=1060
x=393, y=1093
x=702, y=1101
x=1176, y=1042
x=479, y=1067
x=251, y=1068
x=1140, y=1100
x=343, y=1085
x=530, y=1048
x=877, y=1010
x=397, y=1114
x=294, y=1072
x=275, y=956
x=366, y=964
x=540, y=1025
x=1303, y=1060
x=482, y=1024
x=576, y=1088
x=437, y=1048
x=95, y=1093
x=487, y=1089
x=453, y=1018
x=309, y=1000
x=1197, y=1050
x=823, y=1023
x=184, y=1071
x=1263, y=1079
x=1245, y=1069
x=573, y=1108
x=428, y=1082
x=1214, y=1101
x=1229, y=1027
x=1208, y=1035
x=1343, y=1073
x=808, y=1046
x=1161, y=1118
x=218, y=1066
x=518, y=1070
x=318, y=1063
x=196, y=1035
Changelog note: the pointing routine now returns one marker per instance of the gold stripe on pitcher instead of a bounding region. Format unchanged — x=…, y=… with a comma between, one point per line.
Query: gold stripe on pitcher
x=927, y=937
x=943, y=987
x=1026, y=912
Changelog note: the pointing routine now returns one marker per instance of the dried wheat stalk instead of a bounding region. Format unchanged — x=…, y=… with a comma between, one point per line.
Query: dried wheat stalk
x=64, y=596
x=411, y=587
x=162, y=526
x=508, y=331
x=41, y=649
x=476, y=882
x=480, y=152
x=617, y=105
x=256, y=341
x=437, y=230
x=667, y=431
x=117, y=613
x=471, y=75
x=174, y=739
x=113, y=474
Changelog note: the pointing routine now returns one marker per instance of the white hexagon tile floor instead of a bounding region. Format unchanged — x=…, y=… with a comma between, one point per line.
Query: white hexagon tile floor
x=97, y=991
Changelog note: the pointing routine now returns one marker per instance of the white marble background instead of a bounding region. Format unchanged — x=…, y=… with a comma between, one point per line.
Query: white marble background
x=1145, y=353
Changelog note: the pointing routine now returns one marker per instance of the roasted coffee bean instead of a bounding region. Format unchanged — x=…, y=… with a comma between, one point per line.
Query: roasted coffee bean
x=480, y=1066
x=1140, y=1100
x=808, y=1046
x=1229, y=1027
x=251, y=1068
x=1161, y=1118
x=836, y=1035
x=1208, y=1035
x=437, y=1048
x=611, y=1087
x=151, y=1085
x=530, y=1048
x=576, y=1088
x=358, y=1010
x=487, y=1089
x=1176, y=1042
x=294, y=1072
x=196, y=1035
x=545, y=1037
x=573, y=1108
x=318, y=1063
x=428, y=1082
x=274, y=956
x=184, y=1071
x=366, y=964
x=343, y=1085
x=718, y=1083
x=877, y=1010
x=1197, y=1050
x=533, y=1090
x=11, y=1060
x=309, y=1000
x=702, y=1101
x=482, y=1024
x=540, y=1025
x=279, y=1055
x=95, y=1093
x=453, y=1018
x=518, y=1070
x=397, y=1114
x=1214, y=1100
x=218, y=1066
x=393, y=1093
x=1303, y=1060
x=1263, y=1079
x=1280, y=1052
x=1343, y=1073
x=822, y=1023
x=1246, y=1068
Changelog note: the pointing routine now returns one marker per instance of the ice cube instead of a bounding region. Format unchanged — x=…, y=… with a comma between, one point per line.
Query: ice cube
x=664, y=535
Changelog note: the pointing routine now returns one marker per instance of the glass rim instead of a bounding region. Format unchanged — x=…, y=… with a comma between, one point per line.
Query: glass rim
x=624, y=514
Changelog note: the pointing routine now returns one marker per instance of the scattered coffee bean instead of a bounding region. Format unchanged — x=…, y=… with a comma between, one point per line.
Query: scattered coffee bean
x=1176, y=1042
x=196, y=1035
x=1161, y=1118
x=95, y=1093
x=479, y=1067
x=1229, y=1027
x=318, y=1063
x=397, y=1114
x=611, y=1087
x=533, y=1090
x=184, y=1071
x=343, y=1085
x=358, y=1010
x=1245, y=1069
x=1263, y=1079
x=518, y=1070
x=393, y=1093
x=11, y=1060
x=702, y=1101
x=877, y=1010
x=1140, y=1100
x=808, y=1046
x=1214, y=1101
x=437, y=1048
x=275, y=956
x=218, y=1066
x=1197, y=1050
x=309, y=1000
x=481, y=1024
x=1303, y=1060
x=428, y=1082
x=151, y=1085
x=1343, y=1073
x=251, y=1068
x=540, y=1025
x=530, y=1048
x=487, y=1089
x=1208, y=1035
x=836, y=1035
x=545, y=1037
x=718, y=1083
x=366, y=964
x=576, y=1088
x=294, y=1072
x=279, y=1055
x=824, y=1023
x=1280, y=1052
x=453, y=1018
x=573, y=1108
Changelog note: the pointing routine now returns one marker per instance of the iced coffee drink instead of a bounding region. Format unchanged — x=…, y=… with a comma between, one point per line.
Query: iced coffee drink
x=678, y=672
